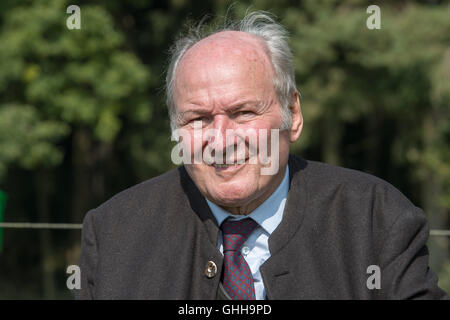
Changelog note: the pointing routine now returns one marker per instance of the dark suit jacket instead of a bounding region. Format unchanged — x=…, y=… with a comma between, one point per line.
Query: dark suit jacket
x=154, y=240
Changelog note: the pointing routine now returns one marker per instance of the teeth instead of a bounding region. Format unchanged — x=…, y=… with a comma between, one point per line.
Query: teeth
x=224, y=165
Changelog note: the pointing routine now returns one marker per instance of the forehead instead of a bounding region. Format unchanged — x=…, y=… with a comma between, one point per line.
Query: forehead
x=227, y=43
x=223, y=65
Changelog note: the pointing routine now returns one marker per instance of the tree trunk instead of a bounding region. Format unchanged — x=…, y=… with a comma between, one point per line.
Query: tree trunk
x=47, y=257
x=81, y=162
x=372, y=146
x=331, y=139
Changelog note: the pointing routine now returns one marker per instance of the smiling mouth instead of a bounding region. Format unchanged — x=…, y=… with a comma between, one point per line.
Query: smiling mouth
x=224, y=165
x=228, y=166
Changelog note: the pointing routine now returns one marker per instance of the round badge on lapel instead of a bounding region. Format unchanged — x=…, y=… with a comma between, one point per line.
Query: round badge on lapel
x=211, y=269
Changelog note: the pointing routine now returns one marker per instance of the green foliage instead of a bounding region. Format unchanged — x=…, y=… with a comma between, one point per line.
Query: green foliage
x=27, y=140
x=444, y=277
x=56, y=80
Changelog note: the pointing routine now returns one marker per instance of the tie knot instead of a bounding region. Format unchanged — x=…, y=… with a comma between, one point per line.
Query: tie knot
x=235, y=233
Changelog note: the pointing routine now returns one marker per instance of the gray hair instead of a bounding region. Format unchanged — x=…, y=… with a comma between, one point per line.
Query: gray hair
x=260, y=24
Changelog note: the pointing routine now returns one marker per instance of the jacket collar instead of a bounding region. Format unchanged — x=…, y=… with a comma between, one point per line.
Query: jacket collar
x=292, y=217
x=199, y=206
x=295, y=206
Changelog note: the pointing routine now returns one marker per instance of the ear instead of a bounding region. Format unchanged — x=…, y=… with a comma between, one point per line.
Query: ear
x=297, y=118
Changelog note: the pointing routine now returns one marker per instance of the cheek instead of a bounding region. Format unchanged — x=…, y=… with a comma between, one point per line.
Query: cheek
x=199, y=174
x=191, y=143
x=284, y=141
x=263, y=123
x=259, y=130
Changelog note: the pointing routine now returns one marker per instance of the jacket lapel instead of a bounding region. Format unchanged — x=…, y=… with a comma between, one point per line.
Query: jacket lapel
x=276, y=271
x=208, y=253
x=199, y=206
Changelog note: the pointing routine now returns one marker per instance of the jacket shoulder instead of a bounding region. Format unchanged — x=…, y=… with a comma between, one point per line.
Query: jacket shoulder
x=145, y=197
x=349, y=188
x=356, y=183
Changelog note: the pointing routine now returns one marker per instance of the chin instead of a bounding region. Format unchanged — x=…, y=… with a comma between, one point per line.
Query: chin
x=230, y=196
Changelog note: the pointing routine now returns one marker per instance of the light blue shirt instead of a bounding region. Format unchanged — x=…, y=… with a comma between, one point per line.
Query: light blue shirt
x=268, y=215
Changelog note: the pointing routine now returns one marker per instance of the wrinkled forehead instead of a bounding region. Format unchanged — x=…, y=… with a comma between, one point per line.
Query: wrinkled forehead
x=224, y=55
x=226, y=43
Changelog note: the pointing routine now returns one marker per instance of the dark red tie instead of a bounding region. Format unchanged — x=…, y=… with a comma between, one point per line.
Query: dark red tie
x=237, y=276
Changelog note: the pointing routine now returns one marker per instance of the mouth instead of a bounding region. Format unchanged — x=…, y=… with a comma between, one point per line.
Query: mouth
x=228, y=166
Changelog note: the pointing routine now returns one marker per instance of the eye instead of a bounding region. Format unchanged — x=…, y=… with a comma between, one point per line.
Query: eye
x=198, y=119
x=244, y=113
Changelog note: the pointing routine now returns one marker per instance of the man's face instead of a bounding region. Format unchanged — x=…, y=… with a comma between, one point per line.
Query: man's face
x=226, y=82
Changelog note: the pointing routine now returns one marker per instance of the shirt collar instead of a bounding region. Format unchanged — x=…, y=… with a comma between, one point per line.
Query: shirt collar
x=268, y=215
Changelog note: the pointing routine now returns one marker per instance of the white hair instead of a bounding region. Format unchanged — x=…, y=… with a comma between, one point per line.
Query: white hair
x=274, y=36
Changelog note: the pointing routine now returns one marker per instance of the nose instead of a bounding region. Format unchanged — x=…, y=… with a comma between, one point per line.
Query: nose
x=216, y=137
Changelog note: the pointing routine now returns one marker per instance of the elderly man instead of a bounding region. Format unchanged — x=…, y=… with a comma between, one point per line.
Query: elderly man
x=227, y=229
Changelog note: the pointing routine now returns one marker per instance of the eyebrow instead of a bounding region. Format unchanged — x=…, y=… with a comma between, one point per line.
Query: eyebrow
x=258, y=104
x=233, y=108
x=181, y=115
x=247, y=104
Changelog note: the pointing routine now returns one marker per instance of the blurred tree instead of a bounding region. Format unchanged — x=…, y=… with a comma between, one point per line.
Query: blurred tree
x=2, y=208
x=65, y=84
